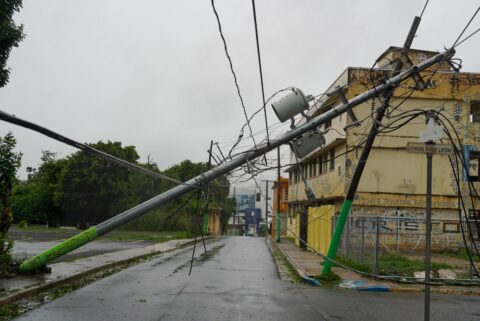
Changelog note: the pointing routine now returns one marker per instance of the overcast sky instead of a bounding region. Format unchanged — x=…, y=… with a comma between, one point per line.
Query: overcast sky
x=154, y=73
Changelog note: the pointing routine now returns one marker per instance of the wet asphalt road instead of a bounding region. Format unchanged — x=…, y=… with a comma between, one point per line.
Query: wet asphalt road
x=236, y=280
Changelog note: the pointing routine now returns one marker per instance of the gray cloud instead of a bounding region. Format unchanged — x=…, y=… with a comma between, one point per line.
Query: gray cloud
x=153, y=73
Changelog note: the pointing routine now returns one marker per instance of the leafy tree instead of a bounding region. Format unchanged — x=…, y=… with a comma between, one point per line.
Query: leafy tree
x=9, y=163
x=92, y=190
x=34, y=199
x=10, y=35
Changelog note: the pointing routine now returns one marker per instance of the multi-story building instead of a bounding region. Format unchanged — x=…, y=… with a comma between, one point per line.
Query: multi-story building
x=393, y=182
x=283, y=186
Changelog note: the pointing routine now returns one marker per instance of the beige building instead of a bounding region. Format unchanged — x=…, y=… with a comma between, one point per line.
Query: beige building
x=393, y=182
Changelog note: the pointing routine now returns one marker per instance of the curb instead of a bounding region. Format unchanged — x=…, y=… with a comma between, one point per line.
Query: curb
x=34, y=290
x=374, y=288
x=303, y=277
x=434, y=290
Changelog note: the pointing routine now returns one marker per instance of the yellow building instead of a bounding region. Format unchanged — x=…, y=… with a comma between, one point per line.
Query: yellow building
x=393, y=182
x=283, y=206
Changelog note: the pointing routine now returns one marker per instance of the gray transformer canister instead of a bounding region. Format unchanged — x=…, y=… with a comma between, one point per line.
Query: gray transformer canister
x=307, y=143
x=290, y=105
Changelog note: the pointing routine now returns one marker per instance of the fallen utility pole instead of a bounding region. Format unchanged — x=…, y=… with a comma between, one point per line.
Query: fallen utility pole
x=200, y=181
x=352, y=189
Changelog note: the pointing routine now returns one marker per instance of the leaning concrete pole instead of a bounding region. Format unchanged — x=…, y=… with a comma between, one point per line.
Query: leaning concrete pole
x=352, y=189
x=199, y=181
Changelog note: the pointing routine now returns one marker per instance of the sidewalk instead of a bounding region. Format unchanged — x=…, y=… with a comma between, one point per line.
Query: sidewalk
x=309, y=266
x=29, y=285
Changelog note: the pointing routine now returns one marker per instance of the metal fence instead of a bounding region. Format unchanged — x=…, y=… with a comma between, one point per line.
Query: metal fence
x=366, y=238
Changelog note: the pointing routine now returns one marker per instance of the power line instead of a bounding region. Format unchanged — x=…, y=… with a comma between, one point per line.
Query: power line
x=464, y=29
x=231, y=69
x=86, y=148
x=260, y=68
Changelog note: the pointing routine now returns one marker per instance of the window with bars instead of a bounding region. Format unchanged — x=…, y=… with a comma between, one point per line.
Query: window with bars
x=332, y=159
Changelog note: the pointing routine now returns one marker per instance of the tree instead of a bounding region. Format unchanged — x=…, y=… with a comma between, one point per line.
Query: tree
x=9, y=164
x=34, y=199
x=92, y=190
x=10, y=35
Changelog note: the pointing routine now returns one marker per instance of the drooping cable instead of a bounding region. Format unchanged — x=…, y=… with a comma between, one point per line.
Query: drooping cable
x=464, y=29
x=260, y=69
x=232, y=70
x=84, y=147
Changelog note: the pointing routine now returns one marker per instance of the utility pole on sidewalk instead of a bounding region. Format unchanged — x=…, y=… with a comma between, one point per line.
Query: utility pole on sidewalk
x=266, y=207
x=345, y=211
x=428, y=232
x=432, y=133
x=277, y=233
x=235, y=211
x=205, y=217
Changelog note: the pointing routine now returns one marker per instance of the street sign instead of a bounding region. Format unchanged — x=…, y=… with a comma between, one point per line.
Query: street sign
x=422, y=148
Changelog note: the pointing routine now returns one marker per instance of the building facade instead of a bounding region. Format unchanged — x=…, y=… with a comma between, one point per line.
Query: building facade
x=393, y=182
x=283, y=186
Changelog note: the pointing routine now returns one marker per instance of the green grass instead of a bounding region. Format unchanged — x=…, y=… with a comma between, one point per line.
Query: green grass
x=329, y=280
x=396, y=264
x=41, y=228
x=156, y=237
x=118, y=235
x=462, y=254
x=281, y=259
x=8, y=311
x=354, y=264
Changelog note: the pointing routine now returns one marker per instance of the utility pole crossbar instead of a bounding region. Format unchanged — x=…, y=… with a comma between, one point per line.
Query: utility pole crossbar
x=160, y=200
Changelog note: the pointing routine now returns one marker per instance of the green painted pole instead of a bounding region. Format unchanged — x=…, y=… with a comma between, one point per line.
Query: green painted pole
x=60, y=249
x=332, y=250
x=205, y=223
x=352, y=189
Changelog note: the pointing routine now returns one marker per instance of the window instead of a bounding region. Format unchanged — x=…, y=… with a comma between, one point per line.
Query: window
x=325, y=164
x=451, y=227
x=310, y=169
x=473, y=216
x=475, y=111
x=474, y=164
x=332, y=159
x=421, y=57
x=314, y=167
x=320, y=165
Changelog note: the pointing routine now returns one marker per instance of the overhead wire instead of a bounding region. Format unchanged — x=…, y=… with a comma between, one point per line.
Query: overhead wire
x=260, y=69
x=86, y=148
x=232, y=70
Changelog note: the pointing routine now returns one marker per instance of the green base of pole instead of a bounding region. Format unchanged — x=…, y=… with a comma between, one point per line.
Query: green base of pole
x=205, y=224
x=277, y=232
x=332, y=250
x=59, y=250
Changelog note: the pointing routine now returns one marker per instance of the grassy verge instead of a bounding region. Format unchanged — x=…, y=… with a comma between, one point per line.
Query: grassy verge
x=394, y=264
x=462, y=254
x=284, y=263
x=8, y=311
x=118, y=235
x=41, y=229
x=156, y=237
x=354, y=264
